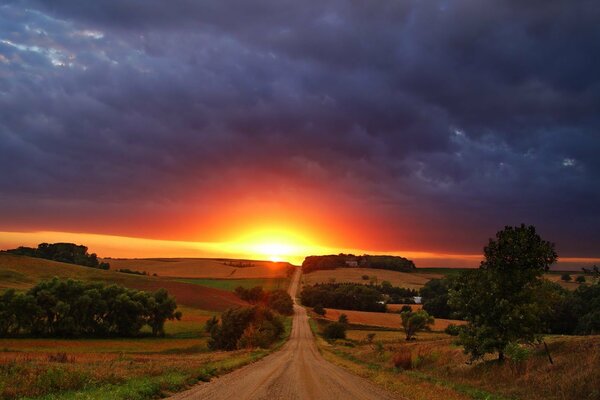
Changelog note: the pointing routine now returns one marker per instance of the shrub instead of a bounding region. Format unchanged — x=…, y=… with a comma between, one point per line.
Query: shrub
x=343, y=319
x=566, y=277
x=241, y=327
x=452, y=330
x=517, y=356
x=365, y=277
x=580, y=279
x=280, y=301
x=413, y=322
x=406, y=308
x=402, y=359
x=335, y=330
x=318, y=309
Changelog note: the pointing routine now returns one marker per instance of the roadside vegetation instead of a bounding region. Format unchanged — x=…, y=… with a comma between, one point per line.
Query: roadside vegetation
x=505, y=348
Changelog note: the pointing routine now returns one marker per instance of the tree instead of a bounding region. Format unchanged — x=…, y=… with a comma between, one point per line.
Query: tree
x=580, y=279
x=498, y=299
x=413, y=322
x=241, y=327
x=335, y=330
x=343, y=319
x=280, y=301
x=435, y=298
x=318, y=309
x=566, y=277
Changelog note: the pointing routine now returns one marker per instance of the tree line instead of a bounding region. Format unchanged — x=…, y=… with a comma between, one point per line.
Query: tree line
x=70, y=308
x=347, y=296
x=62, y=252
x=332, y=261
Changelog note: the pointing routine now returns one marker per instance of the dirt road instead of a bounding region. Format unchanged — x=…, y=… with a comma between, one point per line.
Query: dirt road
x=297, y=371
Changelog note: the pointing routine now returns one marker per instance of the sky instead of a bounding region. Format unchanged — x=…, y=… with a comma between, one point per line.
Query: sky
x=406, y=127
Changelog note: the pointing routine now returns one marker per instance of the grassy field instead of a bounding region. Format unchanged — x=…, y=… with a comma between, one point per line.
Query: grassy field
x=231, y=284
x=412, y=280
x=438, y=370
x=142, y=368
x=22, y=272
x=203, y=267
x=385, y=320
x=125, y=368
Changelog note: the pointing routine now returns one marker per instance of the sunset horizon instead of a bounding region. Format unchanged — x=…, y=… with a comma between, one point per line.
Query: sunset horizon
x=299, y=200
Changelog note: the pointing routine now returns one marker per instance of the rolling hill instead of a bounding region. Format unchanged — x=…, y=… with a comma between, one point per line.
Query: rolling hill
x=21, y=272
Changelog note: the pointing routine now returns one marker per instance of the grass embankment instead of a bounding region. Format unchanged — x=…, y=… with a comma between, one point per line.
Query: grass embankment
x=132, y=369
x=438, y=368
x=231, y=284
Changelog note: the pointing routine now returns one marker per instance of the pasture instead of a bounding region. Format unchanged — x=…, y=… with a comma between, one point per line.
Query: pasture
x=433, y=368
x=231, y=284
x=203, y=267
x=411, y=280
x=384, y=320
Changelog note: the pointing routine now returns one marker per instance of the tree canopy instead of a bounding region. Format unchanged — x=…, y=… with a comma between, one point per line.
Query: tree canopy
x=62, y=252
x=68, y=308
x=498, y=299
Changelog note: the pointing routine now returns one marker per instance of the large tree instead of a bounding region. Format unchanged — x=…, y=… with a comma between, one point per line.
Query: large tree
x=498, y=299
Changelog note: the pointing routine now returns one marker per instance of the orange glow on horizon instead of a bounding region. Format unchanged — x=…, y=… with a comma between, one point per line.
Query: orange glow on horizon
x=268, y=244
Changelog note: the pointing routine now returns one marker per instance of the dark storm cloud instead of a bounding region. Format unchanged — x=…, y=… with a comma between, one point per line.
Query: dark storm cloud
x=457, y=116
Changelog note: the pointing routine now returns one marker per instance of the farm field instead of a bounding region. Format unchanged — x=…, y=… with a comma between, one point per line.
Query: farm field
x=203, y=267
x=120, y=368
x=398, y=307
x=411, y=280
x=438, y=370
x=231, y=284
x=386, y=320
x=20, y=272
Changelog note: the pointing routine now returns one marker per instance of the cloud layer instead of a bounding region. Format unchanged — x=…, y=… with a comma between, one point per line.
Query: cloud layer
x=418, y=124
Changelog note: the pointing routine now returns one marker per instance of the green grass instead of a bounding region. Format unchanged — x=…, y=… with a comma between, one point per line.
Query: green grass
x=231, y=284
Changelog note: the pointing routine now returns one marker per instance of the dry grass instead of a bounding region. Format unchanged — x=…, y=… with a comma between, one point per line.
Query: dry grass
x=435, y=360
x=35, y=374
x=386, y=320
x=202, y=268
x=411, y=280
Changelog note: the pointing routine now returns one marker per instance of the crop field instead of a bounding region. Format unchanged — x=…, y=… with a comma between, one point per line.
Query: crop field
x=203, y=268
x=398, y=307
x=21, y=273
x=231, y=284
x=437, y=369
x=386, y=320
x=411, y=280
